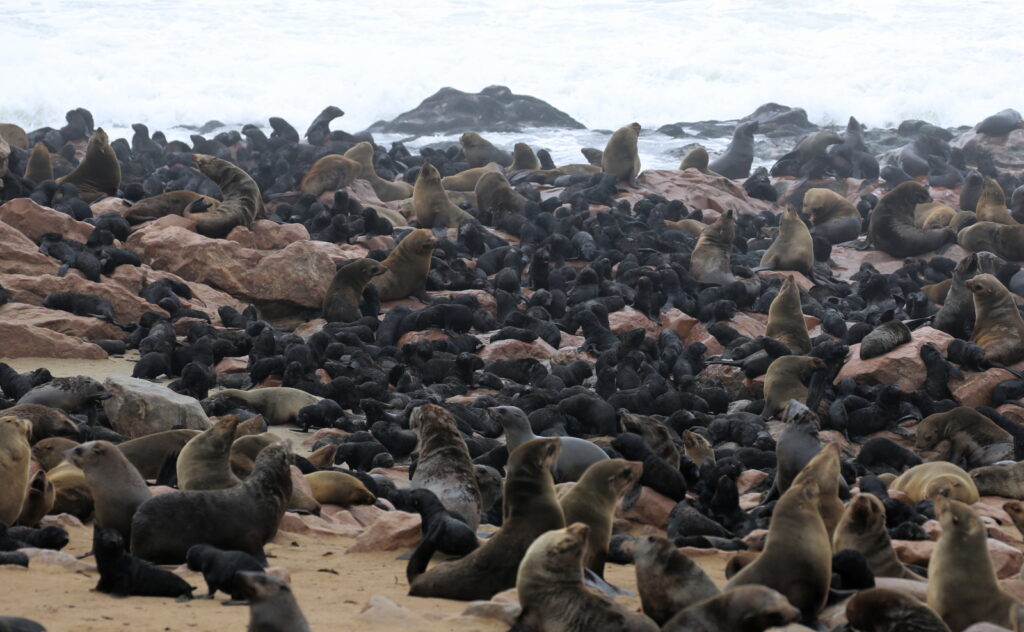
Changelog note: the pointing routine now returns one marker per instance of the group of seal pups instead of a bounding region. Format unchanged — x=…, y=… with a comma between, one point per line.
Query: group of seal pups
x=644, y=412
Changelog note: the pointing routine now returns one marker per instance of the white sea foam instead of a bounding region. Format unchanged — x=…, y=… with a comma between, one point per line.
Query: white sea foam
x=171, y=62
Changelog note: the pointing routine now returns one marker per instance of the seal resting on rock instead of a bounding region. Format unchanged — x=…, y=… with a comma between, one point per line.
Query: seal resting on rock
x=99, y=173
x=1000, y=480
x=891, y=226
x=832, y=216
x=241, y=518
x=974, y=439
x=341, y=303
x=330, y=173
x=386, y=190
x=793, y=249
x=998, y=326
x=886, y=610
x=243, y=202
x=938, y=478
x=620, y=157
x=407, y=267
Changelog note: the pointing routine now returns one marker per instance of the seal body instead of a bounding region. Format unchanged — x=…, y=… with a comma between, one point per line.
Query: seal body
x=823, y=470
x=148, y=453
x=272, y=605
x=832, y=215
x=891, y=226
x=386, y=190
x=711, y=257
x=339, y=488
x=122, y=574
x=479, y=151
x=243, y=202
x=956, y=316
x=998, y=326
x=241, y=518
x=99, y=173
x=785, y=380
x=620, y=157
x=739, y=155
x=277, y=404
x=1000, y=480
x=431, y=203
x=884, y=339
x=668, y=581
x=575, y=456
x=39, y=168
x=219, y=567
x=46, y=421
x=444, y=466
x=66, y=393
x=204, y=462
x=341, y=303
x=740, y=608
x=38, y=501
x=938, y=478
x=885, y=610
x=116, y=486
x=862, y=529
x=330, y=173
x=974, y=439
x=407, y=267
x=15, y=459
x=793, y=248
x=786, y=319
x=1001, y=239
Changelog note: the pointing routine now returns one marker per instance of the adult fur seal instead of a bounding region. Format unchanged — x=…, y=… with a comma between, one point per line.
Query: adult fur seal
x=466, y=180
x=149, y=452
x=407, y=265
x=39, y=168
x=823, y=470
x=277, y=404
x=272, y=605
x=797, y=444
x=117, y=488
x=67, y=393
x=799, y=568
x=444, y=466
x=575, y=456
x=832, y=215
x=884, y=338
x=523, y=158
x=529, y=509
x=739, y=155
x=72, y=494
x=741, y=608
x=241, y=518
x=341, y=303
x=962, y=585
x=242, y=203
x=494, y=193
x=956, y=316
x=1005, y=241
x=938, y=478
x=46, y=421
x=668, y=581
x=711, y=257
x=786, y=319
x=974, y=439
x=99, y=173
x=1000, y=480
x=39, y=500
x=386, y=190
x=697, y=158
x=886, y=610
x=479, y=151
x=991, y=205
x=550, y=588
x=431, y=203
x=793, y=249
x=339, y=488
x=15, y=459
x=862, y=529
x=168, y=203
x=204, y=462
x=620, y=157
x=697, y=448
x=330, y=173
x=891, y=226
x=785, y=380
x=998, y=326
x=593, y=500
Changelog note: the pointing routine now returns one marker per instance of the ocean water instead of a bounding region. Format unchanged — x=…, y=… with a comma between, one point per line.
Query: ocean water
x=173, y=62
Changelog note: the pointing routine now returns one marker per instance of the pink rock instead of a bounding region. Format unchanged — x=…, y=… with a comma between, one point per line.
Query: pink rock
x=392, y=531
x=701, y=190
x=32, y=289
x=110, y=205
x=902, y=366
x=204, y=298
x=305, y=330
x=417, y=336
x=267, y=235
x=976, y=388
x=750, y=500
x=627, y=319
x=679, y=322
x=515, y=349
x=232, y=365
x=366, y=514
x=802, y=282
x=933, y=529
x=377, y=242
x=316, y=525
x=29, y=341
x=1006, y=559
x=914, y=588
x=650, y=508
x=749, y=479
x=20, y=255
x=746, y=323
x=914, y=551
x=992, y=507
x=85, y=327
x=34, y=221
x=61, y=520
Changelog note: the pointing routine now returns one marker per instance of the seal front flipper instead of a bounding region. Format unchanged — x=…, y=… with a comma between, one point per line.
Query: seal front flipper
x=596, y=582
x=421, y=556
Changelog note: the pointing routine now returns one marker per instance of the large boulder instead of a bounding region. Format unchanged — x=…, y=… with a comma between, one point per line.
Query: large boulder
x=701, y=190
x=204, y=298
x=34, y=221
x=1007, y=151
x=29, y=341
x=137, y=408
x=20, y=255
x=493, y=109
x=60, y=321
x=128, y=305
x=902, y=366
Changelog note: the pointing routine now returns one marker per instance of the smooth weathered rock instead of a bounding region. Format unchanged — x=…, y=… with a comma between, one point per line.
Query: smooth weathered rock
x=267, y=235
x=204, y=298
x=28, y=341
x=392, y=531
x=701, y=190
x=20, y=255
x=110, y=205
x=34, y=221
x=627, y=319
x=848, y=260
x=678, y=322
x=48, y=557
x=976, y=388
x=902, y=366
x=137, y=408
x=128, y=306
x=650, y=508
x=85, y=327
x=1007, y=151
x=748, y=479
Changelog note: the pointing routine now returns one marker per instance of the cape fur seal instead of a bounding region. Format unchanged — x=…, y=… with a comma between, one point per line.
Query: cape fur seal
x=99, y=173
x=444, y=466
x=886, y=610
x=862, y=528
x=117, y=488
x=711, y=257
x=277, y=404
x=891, y=226
x=330, y=173
x=530, y=508
x=668, y=581
x=39, y=167
x=122, y=574
x=962, y=585
x=592, y=501
x=823, y=470
x=407, y=267
x=785, y=380
x=341, y=303
x=740, y=608
x=431, y=203
x=67, y=393
x=272, y=605
x=168, y=203
x=243, y=202
x=38, y=501
x=998, y=326
x=479, y=151
x=735, y=162
x=46, y=421
x=991, y=205
x=523, y=158
x=974, y=439
x=956, y=316
x=241, y=518
x=494, y=193
x=219, y=568
x=466, y=180
x=1001, y=239
x=204, y=462
x=884, y=338
x=149, y=452
x=793, y=248
x=938, y=478
x=832, y=215
x=620, y=157
x=339, y=488
x=386, y=190
x=1000, y=480
x=696, y=158
x=15, y=459
x=550, y=588
x=575, y=456
x=786, y=319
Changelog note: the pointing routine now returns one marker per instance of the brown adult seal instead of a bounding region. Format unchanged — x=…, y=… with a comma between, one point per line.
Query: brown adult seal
x=886, y=610
x=697, y=448
x=785, y=380
x=494, y=193
x=823, y=469
x=116, y=486
x=656, y=434
x=891, y=227
x=431, y=203
x=339, y=488
x=169, y=203
x=668, y=581
x=408, y=265
x=697, y=158
x=550, y=589
x=67, y=393
x=15, y=459
x=862, y=529
x=592, y=501
x=278, y=404
x=204, y=462
x=241, y=518
x=832, y=215
x=46, y=421
x=688, y=226
x=444, y=465
x=710, y=261
x=479, y=151
x=243, y=202
x=49, y=453
x=39, y=167
x=149, y=452
x=330, y=173
x=956, y=316
x=466, y=180
x=992, y=204
x=620, y=157
x=962, y=585
x=99, y=173
x=523, y=158
x=938, y=478
x=39, y=500
x=998, y=326
x=1005, y=241
x=1000, y=480
x=793, y=249
x=341, y=303
x=530, y=508
x=799, y=568
x=14, y=134
x=973, y=439
x=272, y=605
x=740, y=608
x=786, y=319
x=386, y=190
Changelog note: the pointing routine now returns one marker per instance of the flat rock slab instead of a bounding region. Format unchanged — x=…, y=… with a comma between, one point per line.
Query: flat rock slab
x=137, y=408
